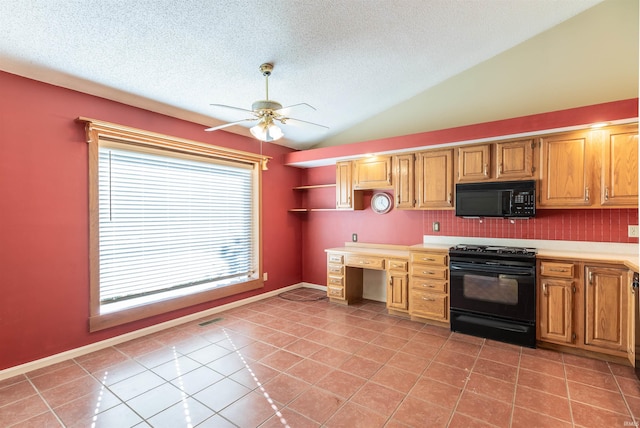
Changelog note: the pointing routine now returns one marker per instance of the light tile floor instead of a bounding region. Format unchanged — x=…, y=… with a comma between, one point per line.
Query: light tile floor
x=293, y=363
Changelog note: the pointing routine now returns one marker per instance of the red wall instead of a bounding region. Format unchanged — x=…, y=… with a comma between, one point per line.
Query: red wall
x=44, y=290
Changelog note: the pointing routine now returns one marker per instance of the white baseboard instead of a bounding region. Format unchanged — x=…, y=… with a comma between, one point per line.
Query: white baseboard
x=93, y=347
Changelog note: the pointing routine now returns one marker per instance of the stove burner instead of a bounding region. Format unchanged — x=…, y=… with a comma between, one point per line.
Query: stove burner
x=464, y=248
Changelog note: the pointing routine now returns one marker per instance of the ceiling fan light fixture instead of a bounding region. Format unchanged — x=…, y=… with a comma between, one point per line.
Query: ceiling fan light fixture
x=267, y=131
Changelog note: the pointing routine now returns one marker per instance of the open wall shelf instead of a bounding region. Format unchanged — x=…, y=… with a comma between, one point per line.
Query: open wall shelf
x=311, y=187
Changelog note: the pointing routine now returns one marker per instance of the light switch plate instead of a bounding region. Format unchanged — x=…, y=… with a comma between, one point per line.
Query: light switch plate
x=633, y=231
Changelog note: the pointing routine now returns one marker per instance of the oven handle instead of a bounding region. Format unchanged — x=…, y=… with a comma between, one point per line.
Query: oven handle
x=507, y=270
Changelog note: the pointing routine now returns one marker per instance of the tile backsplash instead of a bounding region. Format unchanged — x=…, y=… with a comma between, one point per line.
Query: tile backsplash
x=598, y=225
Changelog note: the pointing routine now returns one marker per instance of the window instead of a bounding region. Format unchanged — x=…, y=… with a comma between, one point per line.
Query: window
x=173, y=223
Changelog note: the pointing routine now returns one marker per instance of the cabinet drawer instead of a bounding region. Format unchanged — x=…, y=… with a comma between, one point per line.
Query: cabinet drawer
x=398, y=265
x=439, y=259
x=335, y=258
x=365, y=261
x=429, y=305
x=335, y=281
x=430, y=286
x=557, y=269
x=336, y=270
x=425, y=271
x=335, y=292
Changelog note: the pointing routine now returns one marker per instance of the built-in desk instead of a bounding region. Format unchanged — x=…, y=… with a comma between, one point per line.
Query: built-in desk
x=417, y=277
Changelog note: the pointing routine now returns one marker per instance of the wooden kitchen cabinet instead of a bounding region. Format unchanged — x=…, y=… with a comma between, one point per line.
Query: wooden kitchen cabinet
x=474, y=163
x=404, y=179
x=434, y=171
x=566, y=176
x=429, y=285
x=424, y=180
x=607, y=300
x=397, y=285
x=590, y=169
x=343, y=285
x=373, y=172
x=556, y=291
x=502, y=160
x=514, y=160
x=346, y=197
x=620, y=166
x=585, y=305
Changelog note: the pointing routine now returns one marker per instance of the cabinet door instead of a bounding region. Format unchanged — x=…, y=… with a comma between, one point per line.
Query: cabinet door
x=435, y=179
x=373, y=173
x=473, y=163
x=620, y=167
x=555, y=310
x=404, y=180
x=514, y=159
x=397, y=291
x=346, y=198
x=606, y=308
x=566, y=171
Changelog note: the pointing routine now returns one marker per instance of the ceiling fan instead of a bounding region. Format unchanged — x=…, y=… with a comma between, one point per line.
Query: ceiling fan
x=266, y=112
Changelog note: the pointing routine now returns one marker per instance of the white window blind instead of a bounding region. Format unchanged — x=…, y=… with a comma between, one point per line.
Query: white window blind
x=172, y=223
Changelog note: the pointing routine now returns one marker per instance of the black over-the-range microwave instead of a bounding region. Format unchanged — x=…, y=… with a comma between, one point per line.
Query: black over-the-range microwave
x=496, y=199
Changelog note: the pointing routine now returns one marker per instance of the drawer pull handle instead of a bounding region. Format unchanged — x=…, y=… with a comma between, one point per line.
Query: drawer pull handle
x=428, y=285
x=557, y=270
x=427, y=259
x=428, y=299
x=426, y=272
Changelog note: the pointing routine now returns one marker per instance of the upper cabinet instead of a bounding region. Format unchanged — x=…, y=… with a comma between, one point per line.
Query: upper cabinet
x=591, y=169
x=434, y=172
x=566, y=179
x=505, y=160
x=424, y=180
x=514, y=160
x=404, y=180
x=474, y=163
x=620, y=166
x=372, y=172
x=346, y=197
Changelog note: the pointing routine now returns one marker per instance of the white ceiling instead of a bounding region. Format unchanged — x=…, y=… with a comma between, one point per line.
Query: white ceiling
x=350, y=59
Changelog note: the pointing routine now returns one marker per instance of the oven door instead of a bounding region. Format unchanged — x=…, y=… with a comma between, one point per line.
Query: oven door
x=493, y=289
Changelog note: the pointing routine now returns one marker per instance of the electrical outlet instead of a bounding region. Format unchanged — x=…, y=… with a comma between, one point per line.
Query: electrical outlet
x=354, y=237
x=633, y=231
x=436, y=226
x=265, y=276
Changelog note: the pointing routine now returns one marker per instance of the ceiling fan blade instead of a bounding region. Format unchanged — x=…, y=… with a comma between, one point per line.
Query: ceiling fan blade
x=215, y=128
x=286, y=110
x=292, y=121
x=244, y=110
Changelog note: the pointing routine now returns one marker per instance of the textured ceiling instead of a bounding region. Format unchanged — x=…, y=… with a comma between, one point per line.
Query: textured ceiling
x=350, y=59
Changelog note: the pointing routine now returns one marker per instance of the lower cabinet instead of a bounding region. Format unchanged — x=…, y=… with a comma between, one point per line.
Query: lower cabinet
x=429, y=285
x=607, y=303
x=397, y=285
x=585, y=305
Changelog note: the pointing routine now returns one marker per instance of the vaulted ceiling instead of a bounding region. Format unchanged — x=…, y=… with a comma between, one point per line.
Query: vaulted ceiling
x=371, y=69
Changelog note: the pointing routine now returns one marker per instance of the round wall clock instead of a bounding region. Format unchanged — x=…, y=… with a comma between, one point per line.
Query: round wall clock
x=381, y=203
